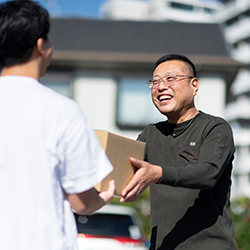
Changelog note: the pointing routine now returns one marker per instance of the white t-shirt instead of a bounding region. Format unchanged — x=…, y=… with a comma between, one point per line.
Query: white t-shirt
x=46, y=147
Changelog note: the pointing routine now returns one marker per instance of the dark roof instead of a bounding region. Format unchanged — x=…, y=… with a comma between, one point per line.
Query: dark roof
x=145, y=37
x=132, y=41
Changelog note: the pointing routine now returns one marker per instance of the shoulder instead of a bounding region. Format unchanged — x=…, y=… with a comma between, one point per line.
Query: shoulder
x=57, y=102
x=211, y=122
x=152, y=130
x=212, y=119
x=57, y=108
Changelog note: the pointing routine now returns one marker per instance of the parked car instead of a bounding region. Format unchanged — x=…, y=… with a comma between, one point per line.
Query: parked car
x=113, y=227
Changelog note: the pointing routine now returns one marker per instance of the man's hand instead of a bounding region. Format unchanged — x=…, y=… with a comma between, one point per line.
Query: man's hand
x=145, y=175
x=109, y=193
x=89, y=201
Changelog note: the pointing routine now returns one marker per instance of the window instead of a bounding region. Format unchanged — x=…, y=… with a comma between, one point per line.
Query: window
x=104, y=224
x=207, y=10
x=182, y=6
x=232, y=21
x=135, y=109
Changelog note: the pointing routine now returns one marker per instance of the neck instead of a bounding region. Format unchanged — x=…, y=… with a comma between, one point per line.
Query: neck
x=30, y=69
x=191, y=113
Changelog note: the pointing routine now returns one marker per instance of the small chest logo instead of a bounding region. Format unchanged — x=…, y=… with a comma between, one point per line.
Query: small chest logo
x=192, y=143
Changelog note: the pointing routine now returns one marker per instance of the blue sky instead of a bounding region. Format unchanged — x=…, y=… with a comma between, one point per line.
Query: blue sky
x=82, y=8
x=69, y=8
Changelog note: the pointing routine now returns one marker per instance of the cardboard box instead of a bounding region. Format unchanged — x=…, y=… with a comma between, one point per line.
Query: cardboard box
x=118, y=150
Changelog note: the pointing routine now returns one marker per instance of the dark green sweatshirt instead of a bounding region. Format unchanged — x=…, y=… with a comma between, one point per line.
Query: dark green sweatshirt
x=190, y=206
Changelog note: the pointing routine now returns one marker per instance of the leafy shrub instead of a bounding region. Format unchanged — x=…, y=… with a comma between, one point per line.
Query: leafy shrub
x=241, y=219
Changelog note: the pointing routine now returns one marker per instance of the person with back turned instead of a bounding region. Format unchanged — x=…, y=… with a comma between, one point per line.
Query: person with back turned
x=50, y=158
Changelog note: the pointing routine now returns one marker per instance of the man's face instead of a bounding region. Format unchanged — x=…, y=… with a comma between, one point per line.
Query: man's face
x=177, y=100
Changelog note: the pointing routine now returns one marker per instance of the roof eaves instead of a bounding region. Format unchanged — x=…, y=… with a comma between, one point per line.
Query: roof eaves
x=107, y=56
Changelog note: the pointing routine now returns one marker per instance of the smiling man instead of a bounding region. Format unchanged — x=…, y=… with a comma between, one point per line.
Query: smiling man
x=188, y=164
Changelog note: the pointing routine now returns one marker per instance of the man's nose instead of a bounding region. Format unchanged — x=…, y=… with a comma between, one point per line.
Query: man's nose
x=162, y=84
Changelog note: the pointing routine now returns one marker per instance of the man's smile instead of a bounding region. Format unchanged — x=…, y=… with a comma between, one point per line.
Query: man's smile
x=165, y=97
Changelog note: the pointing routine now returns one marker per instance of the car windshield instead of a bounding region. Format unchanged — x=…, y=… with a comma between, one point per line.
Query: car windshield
x=104, y=224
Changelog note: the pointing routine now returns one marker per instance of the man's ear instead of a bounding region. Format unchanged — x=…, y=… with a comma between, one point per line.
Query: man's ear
x=195, y=84
x=39, y=46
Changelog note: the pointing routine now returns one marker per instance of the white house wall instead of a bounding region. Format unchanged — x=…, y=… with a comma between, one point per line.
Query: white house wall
x=211, y=95
x=97, y=98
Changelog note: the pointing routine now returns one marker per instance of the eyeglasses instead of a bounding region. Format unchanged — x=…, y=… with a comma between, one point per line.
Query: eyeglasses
x=169, y=79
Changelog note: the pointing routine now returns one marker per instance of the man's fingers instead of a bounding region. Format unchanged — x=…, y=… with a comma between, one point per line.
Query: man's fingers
x=130, y=196
x=111, y=187
x=129, y=187
x=131, y=191
x=135, y=162
x=107, y=195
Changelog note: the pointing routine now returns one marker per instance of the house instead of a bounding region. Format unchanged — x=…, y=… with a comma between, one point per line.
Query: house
x=104, y=65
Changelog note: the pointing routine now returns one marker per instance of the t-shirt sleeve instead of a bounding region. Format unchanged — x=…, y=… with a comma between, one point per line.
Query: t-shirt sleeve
x=84, y=162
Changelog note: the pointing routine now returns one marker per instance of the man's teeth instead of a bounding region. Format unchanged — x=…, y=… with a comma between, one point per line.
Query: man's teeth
x=164, y=97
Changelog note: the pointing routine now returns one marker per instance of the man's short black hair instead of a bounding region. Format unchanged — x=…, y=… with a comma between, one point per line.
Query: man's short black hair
x=178, y=57
x=22, y=22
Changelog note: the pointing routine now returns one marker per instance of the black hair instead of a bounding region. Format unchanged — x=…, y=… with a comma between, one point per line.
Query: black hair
x=178, y=57
x=22, y=22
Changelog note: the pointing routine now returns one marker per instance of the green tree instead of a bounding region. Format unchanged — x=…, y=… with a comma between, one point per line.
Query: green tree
x=241, y=219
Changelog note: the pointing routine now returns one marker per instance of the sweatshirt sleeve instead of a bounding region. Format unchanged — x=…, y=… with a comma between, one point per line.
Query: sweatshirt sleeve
x=214, y=160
